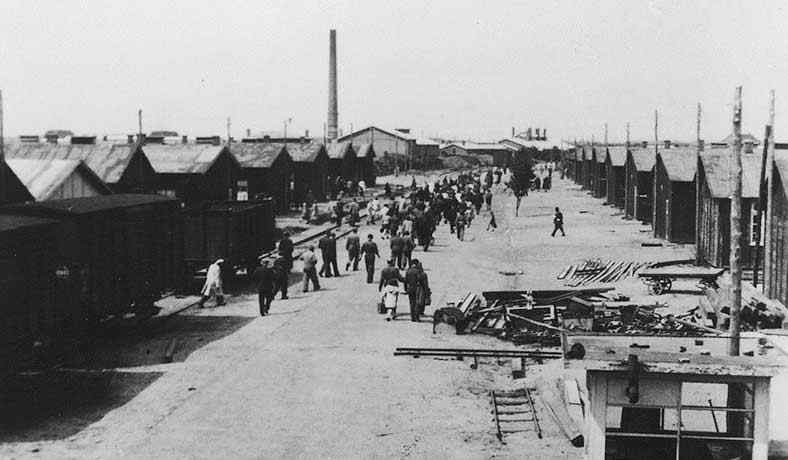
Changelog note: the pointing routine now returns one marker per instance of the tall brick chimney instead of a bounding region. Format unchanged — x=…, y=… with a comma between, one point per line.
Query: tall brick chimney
x=333, y=111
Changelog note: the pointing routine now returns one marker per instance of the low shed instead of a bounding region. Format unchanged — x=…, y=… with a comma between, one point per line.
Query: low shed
x=675, y=199
x=654, y=398
x=615, y=163
x=639, y=171
x=310, y=165
x=715, y=206
x=365, y=164
x=195, y=173
x=267, y=172
x=342, y=162
x=776, y=253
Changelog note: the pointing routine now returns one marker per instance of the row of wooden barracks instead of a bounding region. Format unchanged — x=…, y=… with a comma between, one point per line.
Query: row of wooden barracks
x=191, y=170
x=624, y=177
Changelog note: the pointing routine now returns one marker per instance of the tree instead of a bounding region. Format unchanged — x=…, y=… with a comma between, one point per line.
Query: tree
x=522, y=173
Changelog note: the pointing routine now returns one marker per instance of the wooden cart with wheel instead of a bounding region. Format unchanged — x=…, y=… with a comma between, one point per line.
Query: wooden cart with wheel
x=660, y=280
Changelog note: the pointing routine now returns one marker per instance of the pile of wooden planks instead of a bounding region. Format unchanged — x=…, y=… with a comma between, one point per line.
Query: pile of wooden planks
x=599, y=271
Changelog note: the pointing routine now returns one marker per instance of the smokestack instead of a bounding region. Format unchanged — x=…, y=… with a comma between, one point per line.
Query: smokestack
x=333, y=111
x=512, y=131
x=544, y=134
x=538, y=137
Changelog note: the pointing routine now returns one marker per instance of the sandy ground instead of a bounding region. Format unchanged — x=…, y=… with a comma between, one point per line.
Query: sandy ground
x=317, y=378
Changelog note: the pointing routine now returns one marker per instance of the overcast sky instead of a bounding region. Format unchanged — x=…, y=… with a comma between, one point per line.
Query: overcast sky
x=470, y=69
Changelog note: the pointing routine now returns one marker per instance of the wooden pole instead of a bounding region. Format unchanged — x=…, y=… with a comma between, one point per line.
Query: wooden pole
x=735, y=254
x=768, y=259
x=228, y=130
x=654, y=175
x=761, y=206
x=2, y=155
x=139, y=124
x=698, y=258
x=627, y=135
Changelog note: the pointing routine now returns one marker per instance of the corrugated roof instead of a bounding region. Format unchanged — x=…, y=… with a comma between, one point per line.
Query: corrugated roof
x=680, y=163
x=617, y=154
x=339, y=150
x=183, y=158
x=91, y=204
x=390, y=132
x=644, y=158
x=257, y=155
x=532, y=144
x=107, y=160
x=364, y=150
x=305, y=152
x=42, y=177
x=717, y=166
x=471, y=146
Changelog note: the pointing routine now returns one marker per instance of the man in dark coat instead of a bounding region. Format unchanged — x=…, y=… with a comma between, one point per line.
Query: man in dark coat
x=282, y=276
x=558, y=222
x=353, y=246
x=324, y=243
x=332, y=253
x=397, y=248
x=370, y=251
x=417, y=287
x=390, y=278
x=265, y=278
x=407, y=249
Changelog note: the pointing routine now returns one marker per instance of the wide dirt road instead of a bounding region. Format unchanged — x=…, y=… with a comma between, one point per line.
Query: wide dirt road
x=317, y=378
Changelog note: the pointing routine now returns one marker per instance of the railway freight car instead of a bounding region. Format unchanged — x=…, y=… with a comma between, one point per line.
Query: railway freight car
x=236, y=231
x=35, y=307
x=120, y=252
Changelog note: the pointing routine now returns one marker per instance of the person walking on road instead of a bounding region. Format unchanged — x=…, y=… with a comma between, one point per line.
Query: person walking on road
x=390, y=278
x=492, y=225
x=370, y=251
x=488, y=196
x=558, y=222
x=332, y=252
x=407, y=248
x=265, y=278
x=353, y=246
x=328, y=249
x=459, y=225
x=417, y=287
x=310, y=269
x=519, y=199
x=282, y=275
x=286, y=250
x=213, y=284
x=397, y=247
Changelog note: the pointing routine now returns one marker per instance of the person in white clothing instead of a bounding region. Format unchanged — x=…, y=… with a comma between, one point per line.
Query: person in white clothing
x=213, y=284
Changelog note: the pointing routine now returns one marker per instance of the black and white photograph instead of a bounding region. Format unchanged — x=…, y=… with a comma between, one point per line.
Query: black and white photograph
x=345, y=229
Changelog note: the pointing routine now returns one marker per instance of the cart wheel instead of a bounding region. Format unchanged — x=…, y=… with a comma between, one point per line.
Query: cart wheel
x=657, y=287
x=667, y=284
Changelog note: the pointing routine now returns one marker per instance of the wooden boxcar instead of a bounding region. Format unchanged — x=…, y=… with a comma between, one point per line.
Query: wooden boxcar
x=34, y=307
x=715, y=207
x=122, y=252
x=639, y=172
x=675, y=199
x=237, y=232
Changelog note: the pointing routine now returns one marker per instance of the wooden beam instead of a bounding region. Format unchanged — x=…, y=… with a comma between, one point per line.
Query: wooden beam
x=735, y=224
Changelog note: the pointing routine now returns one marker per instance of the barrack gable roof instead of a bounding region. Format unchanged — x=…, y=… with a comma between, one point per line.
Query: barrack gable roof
x=717, y=165
x=306, y=152
x=257, y=155
x=365, y=150
x=340, y=150
x=643, y=158
x=107, y=160
x=43, y=177
x=680, y=163
x=184, y=158
x=390, y=132
x=601, y=154
x=617, y=155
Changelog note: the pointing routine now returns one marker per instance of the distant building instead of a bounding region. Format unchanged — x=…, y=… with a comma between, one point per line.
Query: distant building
x=365, y=160
x=342, y=165
x=501, y=155
x=395, y=142
x=675, y=198
x=267, y=171
x=310, y=166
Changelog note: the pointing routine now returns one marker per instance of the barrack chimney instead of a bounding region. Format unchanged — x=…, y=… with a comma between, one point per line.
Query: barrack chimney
x=333, y=111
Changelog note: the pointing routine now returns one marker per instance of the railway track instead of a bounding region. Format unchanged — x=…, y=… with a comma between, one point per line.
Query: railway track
x=514, y=412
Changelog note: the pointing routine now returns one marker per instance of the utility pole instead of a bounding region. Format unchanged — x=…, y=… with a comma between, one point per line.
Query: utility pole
x=139, y=125
x=762, y=196
x=697, y=187
x=627, y=135
x=768, y=259
x=229, y=124
x=654, y=175
x=605, y=134
x=735, y=255
x=2, y=154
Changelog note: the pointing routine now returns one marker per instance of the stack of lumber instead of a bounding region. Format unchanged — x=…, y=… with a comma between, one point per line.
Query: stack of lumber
x=599, y=271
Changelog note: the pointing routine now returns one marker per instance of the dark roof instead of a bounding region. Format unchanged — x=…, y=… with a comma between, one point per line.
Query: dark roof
x=717, y=165
x=644, y=158
x=339, y=150
x=107, y=160
x=183, y=158
x=91, y=204
x=9, y=222
x=680, y=163
x=781, y=163
x=257, y=155
x=617, y=154
x=305, y=152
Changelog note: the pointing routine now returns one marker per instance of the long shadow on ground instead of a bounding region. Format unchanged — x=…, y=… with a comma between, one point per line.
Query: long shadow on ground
x=56, y=405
